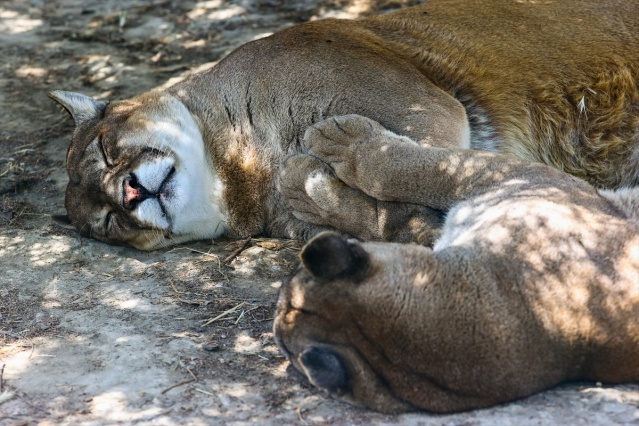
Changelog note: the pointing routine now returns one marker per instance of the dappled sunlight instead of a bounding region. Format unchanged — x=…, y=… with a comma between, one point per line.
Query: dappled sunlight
x=20, y=363
x=261, y=35
x=106, y=70
x=187, y=270
x=125, y=337
x=547, y=218
x=351, y=10
x=108, y=293
x=246, y=344
x=566, y=245
x=280, y=370
x=27, y=71
x=97, y=334
x=609, y=394
x=177, y=79
x=13, y=23
x=226, y=13
x=256, y=258
x=97, y=65
x=237, y=390
x=128, y=304
x=202, y=8
x=114, y=406
x=534, y=269
x=40, y=254
x=49, y=252
x=10, y=244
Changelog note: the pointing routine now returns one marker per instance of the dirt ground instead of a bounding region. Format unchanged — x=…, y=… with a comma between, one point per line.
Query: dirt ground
x=92, y=334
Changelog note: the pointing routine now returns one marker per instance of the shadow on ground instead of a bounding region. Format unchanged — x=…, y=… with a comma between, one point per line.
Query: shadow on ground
x=95, y=334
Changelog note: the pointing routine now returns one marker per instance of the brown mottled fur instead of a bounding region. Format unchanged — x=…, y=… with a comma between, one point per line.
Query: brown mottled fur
x=534, y=280
x=554, y=82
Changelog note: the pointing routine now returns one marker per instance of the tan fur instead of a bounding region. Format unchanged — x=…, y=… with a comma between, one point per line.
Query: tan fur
x=554, y=82
x=534, y=280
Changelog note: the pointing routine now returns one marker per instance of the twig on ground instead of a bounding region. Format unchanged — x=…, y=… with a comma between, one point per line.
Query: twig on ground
x=23, y=148
x=299, y=415
x=223, y=314
x=277, y=244
x=6, y=172
x=215, y=257
x=237, y=251
x=205, y=392
x=195, y=251
x=191, y=302
x=1, y=373
x=186, y=382
x=191, y=373
x=175, y=289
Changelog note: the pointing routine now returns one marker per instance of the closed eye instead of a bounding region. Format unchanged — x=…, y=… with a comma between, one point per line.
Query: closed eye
x=105, y=157
x=108, y=219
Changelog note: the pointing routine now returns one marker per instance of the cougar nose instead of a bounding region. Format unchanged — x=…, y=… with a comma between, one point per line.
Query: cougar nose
x=133, y=192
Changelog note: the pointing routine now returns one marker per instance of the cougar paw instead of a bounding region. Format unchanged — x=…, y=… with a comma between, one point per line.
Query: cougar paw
x=318, y=197
x=354, y=146
x=336, y=139
x=306, y=182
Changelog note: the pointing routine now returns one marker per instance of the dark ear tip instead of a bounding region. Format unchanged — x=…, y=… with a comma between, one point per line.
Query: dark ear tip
x=319, y=247
x=325, y=369
x=330, y=255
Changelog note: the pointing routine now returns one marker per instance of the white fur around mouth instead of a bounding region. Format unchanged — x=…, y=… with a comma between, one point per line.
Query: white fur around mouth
x=156, y=177
x=152, y=175
x=188, y=201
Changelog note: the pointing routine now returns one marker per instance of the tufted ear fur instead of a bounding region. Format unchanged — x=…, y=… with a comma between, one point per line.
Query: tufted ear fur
x=325, y=369
x=81, y=107
x=329, y=256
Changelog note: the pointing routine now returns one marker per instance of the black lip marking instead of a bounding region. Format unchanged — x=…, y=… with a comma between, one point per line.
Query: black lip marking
x=166, y=181
x=161, y=191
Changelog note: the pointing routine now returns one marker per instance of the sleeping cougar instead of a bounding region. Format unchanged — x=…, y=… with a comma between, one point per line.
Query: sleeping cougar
x=534, y=280
x=552, y=82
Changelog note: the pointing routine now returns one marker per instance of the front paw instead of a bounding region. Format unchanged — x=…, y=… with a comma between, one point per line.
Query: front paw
x=317, y=196
x=337, y=133
x=337, y=141
x=304, y=181
x=354, y=146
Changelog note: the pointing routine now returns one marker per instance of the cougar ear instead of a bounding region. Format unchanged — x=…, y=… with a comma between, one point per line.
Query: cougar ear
x=81, y=107
x=329, y=256
x=325, y=369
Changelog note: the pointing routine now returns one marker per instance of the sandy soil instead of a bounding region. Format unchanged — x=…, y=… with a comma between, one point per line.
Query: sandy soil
x=95, y=335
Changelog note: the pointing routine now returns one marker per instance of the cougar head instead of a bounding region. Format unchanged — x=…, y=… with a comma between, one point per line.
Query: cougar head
x=139, y=173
